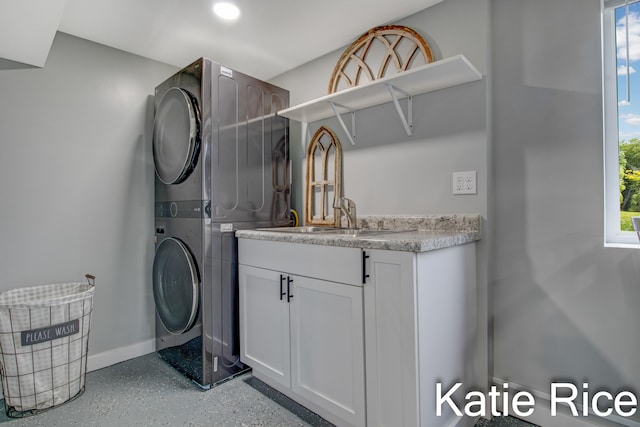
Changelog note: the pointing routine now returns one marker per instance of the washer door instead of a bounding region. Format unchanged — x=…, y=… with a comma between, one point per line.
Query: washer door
x=175, y=286
x=176, y=136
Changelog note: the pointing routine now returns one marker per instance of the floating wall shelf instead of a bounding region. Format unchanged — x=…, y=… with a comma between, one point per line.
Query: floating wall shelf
x=430, y=77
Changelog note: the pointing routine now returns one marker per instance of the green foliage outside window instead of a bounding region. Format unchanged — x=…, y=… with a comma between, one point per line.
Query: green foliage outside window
x=629, y=160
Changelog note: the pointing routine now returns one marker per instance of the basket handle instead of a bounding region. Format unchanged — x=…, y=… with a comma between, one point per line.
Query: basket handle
x=91, y=279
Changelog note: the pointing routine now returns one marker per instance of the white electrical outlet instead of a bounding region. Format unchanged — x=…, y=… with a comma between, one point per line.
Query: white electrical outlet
x=465, y=182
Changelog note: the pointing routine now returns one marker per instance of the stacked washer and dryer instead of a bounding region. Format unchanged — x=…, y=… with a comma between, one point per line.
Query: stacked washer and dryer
x=222, y=163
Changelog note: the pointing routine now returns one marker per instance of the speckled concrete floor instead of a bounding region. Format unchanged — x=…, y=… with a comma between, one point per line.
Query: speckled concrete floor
x=147, y=392
x=504, y=422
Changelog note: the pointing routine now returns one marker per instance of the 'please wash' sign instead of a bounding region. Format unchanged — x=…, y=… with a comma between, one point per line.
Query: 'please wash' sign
x=61, y=330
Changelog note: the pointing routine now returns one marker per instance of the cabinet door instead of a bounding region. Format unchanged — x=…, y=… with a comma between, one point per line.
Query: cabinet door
x=264, y=324
x=327, y=347
x=390, y=336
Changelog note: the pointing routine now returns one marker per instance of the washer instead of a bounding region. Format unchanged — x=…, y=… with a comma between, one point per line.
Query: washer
x=221, y=157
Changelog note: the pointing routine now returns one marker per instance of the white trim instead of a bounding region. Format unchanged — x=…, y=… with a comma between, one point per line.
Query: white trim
x=613, y=236
x=464, y=421
x=111, y=357
x=610, y=127
x=542, y=412
x=622, y=245
x=617, y=3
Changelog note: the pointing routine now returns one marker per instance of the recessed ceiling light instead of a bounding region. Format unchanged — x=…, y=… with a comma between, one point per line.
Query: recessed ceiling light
x=226, y=10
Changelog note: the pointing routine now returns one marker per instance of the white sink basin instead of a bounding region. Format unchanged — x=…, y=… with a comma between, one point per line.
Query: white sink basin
x=353, y=232
x=304, y=229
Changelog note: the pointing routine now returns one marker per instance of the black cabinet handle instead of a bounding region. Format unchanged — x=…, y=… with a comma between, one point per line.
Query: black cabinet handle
x=282, y=293
x=364, y=267
x=289, y=294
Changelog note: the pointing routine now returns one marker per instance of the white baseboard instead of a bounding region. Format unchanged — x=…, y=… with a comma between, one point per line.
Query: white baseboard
x=464, y=421
x=542, y=413
x=111, y=357
x=542, y=417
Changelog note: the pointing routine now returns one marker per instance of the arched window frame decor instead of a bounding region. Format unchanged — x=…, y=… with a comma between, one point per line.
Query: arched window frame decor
x=320, y=179
x=390, y=36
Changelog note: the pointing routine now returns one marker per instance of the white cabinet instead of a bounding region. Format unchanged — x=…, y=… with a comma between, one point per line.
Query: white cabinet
x=327, y=347
x=265, y=324
x=390, y=315
x=304, y=335
x=307, y=321
x=420, y=314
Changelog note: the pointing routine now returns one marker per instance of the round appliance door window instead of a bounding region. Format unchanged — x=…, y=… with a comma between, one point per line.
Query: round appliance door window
x=175, y=286
x=176, y=136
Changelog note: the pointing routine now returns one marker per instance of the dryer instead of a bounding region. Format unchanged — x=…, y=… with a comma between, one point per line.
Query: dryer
x=221, y=157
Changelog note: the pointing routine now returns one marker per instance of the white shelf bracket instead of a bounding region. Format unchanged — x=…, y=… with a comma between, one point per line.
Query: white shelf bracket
x=407, y=121
x=306, y=135
x=351, y=135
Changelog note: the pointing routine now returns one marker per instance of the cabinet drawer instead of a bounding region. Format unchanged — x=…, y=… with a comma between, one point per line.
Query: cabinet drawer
x=333, y=263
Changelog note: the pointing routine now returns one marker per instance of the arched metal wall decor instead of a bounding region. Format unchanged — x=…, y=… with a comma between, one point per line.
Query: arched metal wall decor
x=324, y=178
x=373, y=52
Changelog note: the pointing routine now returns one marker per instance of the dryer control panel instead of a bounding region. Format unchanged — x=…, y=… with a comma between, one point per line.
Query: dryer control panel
x=183, y=209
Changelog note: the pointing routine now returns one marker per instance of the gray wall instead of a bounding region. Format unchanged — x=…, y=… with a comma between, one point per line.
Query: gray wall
x=388, y=172
x=565, y=307
x=77, y=192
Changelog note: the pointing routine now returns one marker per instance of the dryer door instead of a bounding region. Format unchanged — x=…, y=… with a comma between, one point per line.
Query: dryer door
x=175, y=286
x=176, y=136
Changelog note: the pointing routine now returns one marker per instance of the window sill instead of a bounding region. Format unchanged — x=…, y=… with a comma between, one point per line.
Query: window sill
x=622, y=245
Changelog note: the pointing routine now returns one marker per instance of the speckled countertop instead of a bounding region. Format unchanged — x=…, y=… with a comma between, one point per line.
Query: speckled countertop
x=410, y=233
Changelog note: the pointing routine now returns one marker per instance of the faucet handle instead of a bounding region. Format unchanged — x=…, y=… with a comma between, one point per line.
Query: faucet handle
x=350, y=207
x=344, y=203
x=350, y=204
x=345, y=206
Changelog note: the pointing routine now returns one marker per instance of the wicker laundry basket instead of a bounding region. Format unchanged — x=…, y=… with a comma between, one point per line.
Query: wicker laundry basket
x=44, y=338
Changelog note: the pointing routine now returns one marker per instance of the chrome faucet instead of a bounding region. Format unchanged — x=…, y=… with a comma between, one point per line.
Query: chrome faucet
x=347, y=207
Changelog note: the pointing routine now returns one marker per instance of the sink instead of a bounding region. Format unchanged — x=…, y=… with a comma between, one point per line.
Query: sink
x=352, y=232
x=355, y=232
x=303, y=229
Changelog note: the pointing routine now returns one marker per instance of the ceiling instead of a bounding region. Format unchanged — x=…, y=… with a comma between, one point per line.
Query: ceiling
x=269, y=38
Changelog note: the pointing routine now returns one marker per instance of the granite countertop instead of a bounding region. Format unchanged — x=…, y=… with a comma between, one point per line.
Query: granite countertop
x=398, y=233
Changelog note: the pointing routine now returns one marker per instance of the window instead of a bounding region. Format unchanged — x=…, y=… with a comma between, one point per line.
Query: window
x=621, y=87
